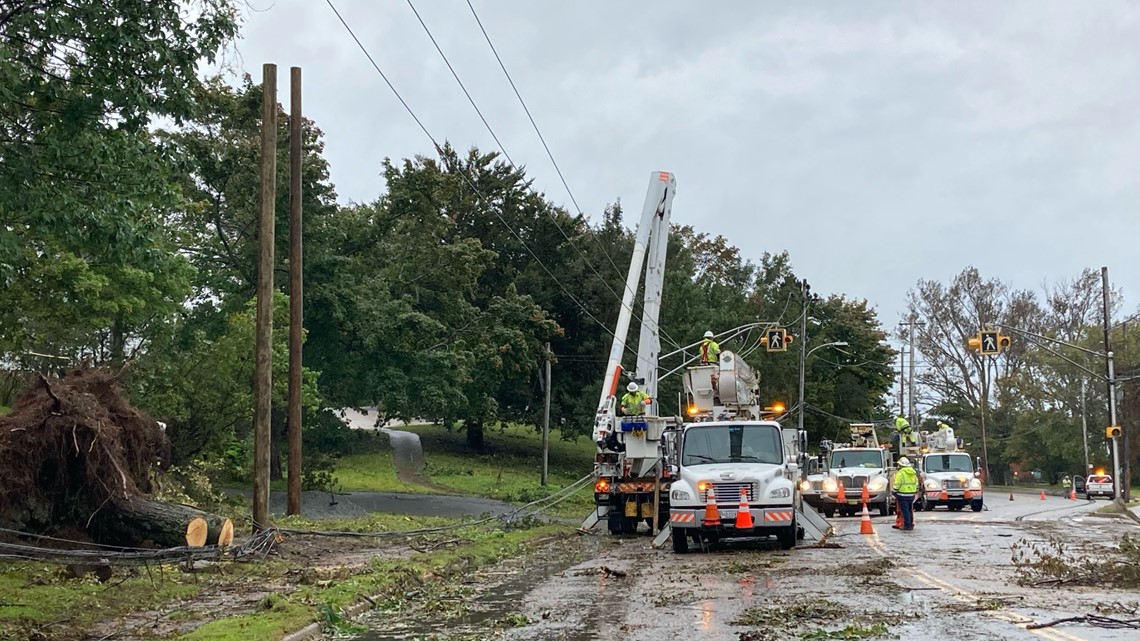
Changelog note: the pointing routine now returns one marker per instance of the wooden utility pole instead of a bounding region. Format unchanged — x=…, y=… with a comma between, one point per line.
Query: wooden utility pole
x=546, y=421
x=295, y=299
x=913, y=411
x=263, y=364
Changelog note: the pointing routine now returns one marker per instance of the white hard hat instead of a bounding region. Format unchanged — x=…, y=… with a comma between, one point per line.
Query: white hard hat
x=708, y=334
x=631, y=387
x=904, y=461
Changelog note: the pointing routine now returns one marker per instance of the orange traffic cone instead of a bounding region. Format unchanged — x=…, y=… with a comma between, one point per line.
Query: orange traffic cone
x=898, y=518
x=865, y=525
x=866, y=495
x=944, y=496
x=842, y=496
x=1042, y=495
x=743, y=515
x=1072, y=495
x=1011, y=496
x=712, y=515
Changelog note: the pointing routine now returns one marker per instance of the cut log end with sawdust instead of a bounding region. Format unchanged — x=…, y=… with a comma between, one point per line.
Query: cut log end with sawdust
x=75, y=453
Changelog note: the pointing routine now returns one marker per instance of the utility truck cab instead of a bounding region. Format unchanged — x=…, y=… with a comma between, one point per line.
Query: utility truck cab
x=850, y=466
x=727, y=464
x=947, y=475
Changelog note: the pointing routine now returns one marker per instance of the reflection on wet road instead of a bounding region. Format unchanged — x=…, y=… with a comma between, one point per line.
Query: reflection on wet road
x=950, y=578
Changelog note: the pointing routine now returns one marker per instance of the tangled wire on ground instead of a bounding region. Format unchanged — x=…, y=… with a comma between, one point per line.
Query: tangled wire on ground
x=256, y=547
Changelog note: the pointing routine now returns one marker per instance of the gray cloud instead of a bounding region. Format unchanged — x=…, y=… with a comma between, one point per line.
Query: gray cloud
x=878, y=142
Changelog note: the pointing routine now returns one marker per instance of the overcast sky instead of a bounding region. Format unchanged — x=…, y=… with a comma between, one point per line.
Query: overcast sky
x=877, y=142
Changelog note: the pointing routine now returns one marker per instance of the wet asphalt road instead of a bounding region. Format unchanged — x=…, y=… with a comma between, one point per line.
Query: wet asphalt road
x=950, y=578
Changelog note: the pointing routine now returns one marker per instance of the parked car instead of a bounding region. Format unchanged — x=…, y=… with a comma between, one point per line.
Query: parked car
x=1099, y=485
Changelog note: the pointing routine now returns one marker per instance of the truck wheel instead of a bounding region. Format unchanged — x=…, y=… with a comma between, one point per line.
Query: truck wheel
x=787, y=536
x=614, y=522
x=629, y=525
x=976, y=505
x=829, y=512
x=680, y=541
x=884, y=508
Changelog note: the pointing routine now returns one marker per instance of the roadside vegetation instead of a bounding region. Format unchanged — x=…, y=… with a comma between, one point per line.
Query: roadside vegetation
x=312, y=579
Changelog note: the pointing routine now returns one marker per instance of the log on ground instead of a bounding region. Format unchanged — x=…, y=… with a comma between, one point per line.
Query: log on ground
x=142, y=520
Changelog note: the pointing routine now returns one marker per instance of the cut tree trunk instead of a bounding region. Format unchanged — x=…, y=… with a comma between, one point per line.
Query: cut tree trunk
x=135, y=520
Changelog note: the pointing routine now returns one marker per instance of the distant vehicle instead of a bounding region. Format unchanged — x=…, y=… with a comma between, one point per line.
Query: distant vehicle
x=1099, y=485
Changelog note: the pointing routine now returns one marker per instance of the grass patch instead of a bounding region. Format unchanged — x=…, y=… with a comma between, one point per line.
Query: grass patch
x=40, y=600
x=4, y=410
x=509, y=470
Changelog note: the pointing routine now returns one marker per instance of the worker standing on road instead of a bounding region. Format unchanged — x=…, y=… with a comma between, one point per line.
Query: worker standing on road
x=906, y=435
x=906, y=486
x=710, y=351
x=633, y=402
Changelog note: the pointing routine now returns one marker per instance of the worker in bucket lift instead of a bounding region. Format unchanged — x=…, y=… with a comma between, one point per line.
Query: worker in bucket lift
x=633, y=402
x=906, y=486
x=710, y=351
x=906, y=434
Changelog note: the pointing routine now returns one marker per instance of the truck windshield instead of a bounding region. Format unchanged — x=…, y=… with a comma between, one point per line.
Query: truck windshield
x=857, y=458
x=731, y=444
x=949, y=463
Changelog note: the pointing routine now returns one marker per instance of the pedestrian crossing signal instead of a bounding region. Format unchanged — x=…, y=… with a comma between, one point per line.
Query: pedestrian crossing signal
x=988, y=343
x=1112, y=431
x=776, y=340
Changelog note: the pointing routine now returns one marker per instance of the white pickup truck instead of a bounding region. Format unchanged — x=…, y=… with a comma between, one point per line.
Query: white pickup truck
x=1099, y=485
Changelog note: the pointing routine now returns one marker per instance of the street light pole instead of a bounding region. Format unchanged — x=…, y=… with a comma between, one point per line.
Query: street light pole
x=803, y=362
x=803, y=350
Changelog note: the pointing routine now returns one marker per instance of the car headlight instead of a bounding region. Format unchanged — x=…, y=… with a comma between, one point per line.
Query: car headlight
x=680, y=495
x=829, y=485
x=932, y=484
x=877, y=484
x=975, y=484
x=780, y=493
x=805, y=486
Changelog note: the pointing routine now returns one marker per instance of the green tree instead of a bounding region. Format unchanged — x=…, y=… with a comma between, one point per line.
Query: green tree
x=84, y=188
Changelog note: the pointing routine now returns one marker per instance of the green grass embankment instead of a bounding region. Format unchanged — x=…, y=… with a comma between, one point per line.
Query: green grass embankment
x=508, y=470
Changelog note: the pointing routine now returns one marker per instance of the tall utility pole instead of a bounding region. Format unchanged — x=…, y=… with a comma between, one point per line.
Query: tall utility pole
x=902, y=382
x=263, y=344
x=803, y=349
x=912, y=415
x=1111, y=384
x=546, y=420
x=296, y=309
x=1085, y=426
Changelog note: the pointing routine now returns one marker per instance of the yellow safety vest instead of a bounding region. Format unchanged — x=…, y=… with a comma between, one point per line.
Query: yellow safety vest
x=906, y=480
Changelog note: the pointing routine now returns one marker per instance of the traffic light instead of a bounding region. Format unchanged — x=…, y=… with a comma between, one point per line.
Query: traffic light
x=776, y=340
x=1112, y=431
x=988, y=343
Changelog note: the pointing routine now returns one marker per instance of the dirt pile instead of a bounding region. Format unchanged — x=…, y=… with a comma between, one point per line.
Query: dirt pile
x=71, y=446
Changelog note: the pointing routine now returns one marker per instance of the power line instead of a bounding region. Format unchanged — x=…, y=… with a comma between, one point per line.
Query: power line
x=511, y=161
x=463, y=174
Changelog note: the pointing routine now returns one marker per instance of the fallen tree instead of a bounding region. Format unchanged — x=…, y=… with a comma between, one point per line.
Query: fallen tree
x=75, y=453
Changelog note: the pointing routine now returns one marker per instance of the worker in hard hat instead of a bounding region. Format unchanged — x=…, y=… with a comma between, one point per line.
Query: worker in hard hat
x=906, y=487
x=633, y=402
x=906, y=434
x=710, y=351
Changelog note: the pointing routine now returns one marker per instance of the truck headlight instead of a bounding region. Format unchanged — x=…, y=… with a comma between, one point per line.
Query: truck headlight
x=680, y=495
x=780, y=493
x=932, y=484
x=975, y=484
x=805, y=486
x=829, y=485
x=877, y=484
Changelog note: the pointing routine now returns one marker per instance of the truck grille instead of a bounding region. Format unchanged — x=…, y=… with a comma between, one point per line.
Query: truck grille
x=952, y=484
x=853, y=482
x=816, y=485
x=730, y=492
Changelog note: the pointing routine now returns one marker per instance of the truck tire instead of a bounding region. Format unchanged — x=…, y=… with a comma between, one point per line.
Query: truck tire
x=829, y=512
x=976, y=505
x=885, y=508
x=787, y=536
x=614, y=521
x=680, y=541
